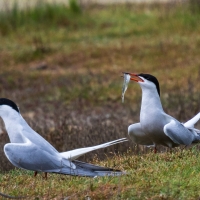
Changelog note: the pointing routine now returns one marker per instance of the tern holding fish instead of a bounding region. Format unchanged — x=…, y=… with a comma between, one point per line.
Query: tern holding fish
x=155, y=126
x=28, y=150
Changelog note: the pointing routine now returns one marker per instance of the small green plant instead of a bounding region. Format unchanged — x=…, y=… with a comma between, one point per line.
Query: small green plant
x=74, y=6
x=194, y=5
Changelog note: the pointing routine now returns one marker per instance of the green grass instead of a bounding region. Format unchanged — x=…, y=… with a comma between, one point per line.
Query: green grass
x=151, y=176
x=52, y=28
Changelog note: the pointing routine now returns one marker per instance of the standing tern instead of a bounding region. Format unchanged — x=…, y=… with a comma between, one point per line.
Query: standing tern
x=156, y=127
x=28, y=150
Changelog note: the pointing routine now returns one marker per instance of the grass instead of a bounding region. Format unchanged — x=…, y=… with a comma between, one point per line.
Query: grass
x=77, y=94
x=149, y=176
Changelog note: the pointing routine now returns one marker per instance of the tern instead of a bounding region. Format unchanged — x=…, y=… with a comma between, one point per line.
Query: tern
x=28, y=150
x=155, y=126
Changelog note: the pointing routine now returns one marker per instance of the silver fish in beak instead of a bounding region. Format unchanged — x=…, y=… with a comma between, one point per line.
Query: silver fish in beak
x=125, y=85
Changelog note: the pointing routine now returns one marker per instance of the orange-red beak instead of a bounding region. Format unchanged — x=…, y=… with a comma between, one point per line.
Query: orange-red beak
x=134, y=77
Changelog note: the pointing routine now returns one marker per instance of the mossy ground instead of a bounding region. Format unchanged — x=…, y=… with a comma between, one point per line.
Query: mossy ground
x=149, y=176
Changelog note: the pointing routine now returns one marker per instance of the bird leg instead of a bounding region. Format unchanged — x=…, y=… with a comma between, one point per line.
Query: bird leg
x=35, y=173
x=45, y=175
x=183, y=147
x=155, y=149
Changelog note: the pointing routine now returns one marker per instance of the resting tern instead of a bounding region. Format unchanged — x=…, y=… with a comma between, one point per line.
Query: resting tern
x=156, y=127
x=28, y=150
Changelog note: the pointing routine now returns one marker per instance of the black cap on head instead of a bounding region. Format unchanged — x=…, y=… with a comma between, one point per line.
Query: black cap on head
x=153, y=79
x=8, y=102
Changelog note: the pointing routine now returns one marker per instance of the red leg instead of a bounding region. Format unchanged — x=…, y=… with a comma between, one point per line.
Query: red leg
x=155, y=149
x=35, y=173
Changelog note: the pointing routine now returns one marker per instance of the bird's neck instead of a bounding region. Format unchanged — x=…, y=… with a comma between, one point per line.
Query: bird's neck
x=150, y=100
x=13, y=127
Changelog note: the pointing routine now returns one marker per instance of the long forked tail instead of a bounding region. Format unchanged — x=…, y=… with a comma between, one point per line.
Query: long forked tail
x=74, y=154
x=193, y=121
x=86, y=169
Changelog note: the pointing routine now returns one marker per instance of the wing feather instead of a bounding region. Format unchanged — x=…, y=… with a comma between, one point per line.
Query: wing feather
x=30, y=156
x=178, y=133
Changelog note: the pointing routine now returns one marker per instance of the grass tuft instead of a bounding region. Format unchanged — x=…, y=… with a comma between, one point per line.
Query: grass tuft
x=74, y=6
x=42, y=15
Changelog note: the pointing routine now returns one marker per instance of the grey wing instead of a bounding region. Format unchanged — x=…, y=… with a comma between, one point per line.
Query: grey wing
x=138, y=136
x=34, y=137
x=30, y=156
x=178, y=133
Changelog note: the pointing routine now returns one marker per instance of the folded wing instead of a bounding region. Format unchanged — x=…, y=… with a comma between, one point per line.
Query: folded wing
x=138, y=136
x=179, y=134
x=32, y=157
